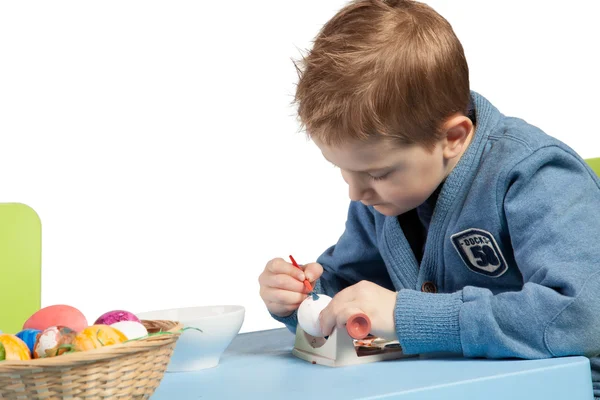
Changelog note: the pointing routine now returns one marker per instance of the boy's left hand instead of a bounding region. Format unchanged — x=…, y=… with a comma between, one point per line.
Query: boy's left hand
x=364, y=297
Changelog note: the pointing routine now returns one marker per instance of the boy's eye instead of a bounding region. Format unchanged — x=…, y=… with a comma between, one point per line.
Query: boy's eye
x=379, y=178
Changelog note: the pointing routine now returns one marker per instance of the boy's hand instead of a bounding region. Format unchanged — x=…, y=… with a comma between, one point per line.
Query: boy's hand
x=281, y=285
x=366, y=297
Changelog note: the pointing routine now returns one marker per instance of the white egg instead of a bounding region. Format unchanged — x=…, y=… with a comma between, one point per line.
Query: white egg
x=308, y=314
x=131, y=329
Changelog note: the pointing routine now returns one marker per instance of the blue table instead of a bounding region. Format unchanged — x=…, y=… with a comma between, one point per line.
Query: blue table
x=260, y=365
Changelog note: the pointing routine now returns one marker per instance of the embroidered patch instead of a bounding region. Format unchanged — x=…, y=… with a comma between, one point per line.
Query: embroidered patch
x=480, y=252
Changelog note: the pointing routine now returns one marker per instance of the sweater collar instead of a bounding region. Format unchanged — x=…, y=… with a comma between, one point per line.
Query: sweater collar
x=396, y=252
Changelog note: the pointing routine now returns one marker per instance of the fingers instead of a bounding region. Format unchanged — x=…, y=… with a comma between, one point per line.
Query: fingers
x=282, y=310
x=333, y=315
x=367, y=298
x=281, y=293
x=282, y=285
x=282, y=296
x=347, y=295
x=344, y=304
x=282, y=302
x=313, y=271
x=336, y=317
x=280, y=266
x=281, y=281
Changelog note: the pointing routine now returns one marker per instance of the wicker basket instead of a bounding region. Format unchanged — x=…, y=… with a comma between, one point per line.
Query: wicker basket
x=131, y=370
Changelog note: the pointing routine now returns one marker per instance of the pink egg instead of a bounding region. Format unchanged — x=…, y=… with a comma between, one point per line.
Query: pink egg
x=115, y=316
x=49, y=341
x=57, y=315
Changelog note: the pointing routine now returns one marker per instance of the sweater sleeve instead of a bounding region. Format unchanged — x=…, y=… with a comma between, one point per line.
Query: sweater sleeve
x=353, y=258
x=551, y=204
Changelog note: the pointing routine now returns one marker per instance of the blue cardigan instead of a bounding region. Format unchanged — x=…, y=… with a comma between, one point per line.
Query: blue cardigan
x=511, y=266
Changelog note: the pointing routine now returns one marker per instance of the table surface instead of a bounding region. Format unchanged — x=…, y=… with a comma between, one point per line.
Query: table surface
x=260, y=365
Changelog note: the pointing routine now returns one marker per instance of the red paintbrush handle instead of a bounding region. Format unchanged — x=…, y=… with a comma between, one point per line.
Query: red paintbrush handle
x=358, y=326
x=307, y=284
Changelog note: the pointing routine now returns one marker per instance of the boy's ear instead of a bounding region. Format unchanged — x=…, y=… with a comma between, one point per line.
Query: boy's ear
x=457, y=135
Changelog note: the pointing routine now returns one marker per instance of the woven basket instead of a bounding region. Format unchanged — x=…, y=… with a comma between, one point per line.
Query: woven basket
x=131, y=370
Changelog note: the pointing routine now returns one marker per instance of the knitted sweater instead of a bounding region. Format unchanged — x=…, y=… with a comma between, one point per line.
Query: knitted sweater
x=511, y=264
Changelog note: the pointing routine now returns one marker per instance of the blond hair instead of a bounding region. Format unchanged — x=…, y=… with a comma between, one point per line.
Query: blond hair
x=389, y=68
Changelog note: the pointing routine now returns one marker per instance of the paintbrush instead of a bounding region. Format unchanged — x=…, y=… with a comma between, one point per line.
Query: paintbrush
x=307, y=284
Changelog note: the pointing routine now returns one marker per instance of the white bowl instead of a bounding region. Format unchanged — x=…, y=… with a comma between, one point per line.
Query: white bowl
x=199, y=350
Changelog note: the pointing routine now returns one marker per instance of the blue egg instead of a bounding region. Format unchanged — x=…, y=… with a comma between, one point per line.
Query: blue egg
x=29, y=336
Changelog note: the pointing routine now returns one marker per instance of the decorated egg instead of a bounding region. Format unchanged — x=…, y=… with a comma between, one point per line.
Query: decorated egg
x=12, y=348
x=308, y=314
x=57, y=315
x=114, y=316
x=96, y=336
x=29, y=336
x=131, y=329
x=49, y=342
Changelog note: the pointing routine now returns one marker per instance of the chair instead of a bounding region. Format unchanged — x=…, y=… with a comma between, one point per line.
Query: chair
x=595, y=164
x=20, y=265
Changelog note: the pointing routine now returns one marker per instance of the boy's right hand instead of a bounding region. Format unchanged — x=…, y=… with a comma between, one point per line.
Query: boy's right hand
x=281, y=285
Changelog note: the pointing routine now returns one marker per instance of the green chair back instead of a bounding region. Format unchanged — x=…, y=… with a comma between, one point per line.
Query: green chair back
x=20, y=265
x=595, y=164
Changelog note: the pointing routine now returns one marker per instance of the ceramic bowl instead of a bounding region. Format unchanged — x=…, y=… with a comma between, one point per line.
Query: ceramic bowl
x=199, y=350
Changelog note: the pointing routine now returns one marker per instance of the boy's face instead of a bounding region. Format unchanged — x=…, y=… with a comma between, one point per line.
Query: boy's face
x=391, y=178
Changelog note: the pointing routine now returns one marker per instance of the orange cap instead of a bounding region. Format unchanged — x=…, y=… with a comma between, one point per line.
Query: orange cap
x=358, y=326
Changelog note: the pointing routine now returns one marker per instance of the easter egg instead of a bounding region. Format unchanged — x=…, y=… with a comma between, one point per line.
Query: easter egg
x=114, y=316
x=29, y=336
x=308, y=314
x=57, y=315
x=96, y=336
x=131, y=329
x=49, y=342
x=13, y=348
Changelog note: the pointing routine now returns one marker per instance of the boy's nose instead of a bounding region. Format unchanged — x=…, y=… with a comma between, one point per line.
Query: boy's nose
x=356, y=187
x=356, y=192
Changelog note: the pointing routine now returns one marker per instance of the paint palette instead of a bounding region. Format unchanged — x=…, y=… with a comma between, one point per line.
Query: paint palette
x=374, y=345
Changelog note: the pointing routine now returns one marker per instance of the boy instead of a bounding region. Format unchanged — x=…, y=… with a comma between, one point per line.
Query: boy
x=468, y=231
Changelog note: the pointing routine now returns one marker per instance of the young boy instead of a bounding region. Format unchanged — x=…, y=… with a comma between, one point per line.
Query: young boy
x=468, y=231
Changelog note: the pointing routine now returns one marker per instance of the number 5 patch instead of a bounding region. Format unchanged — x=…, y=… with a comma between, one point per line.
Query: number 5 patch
x=480, y=252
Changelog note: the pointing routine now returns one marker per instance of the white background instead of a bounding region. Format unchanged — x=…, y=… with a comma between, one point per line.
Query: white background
x=157, y=141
